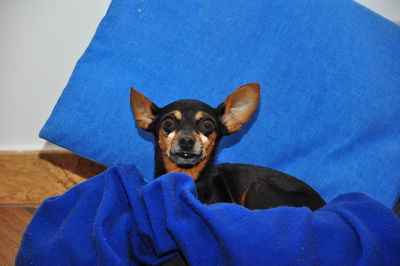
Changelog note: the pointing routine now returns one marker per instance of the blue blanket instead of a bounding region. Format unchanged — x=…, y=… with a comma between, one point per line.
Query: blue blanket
x=116, y=218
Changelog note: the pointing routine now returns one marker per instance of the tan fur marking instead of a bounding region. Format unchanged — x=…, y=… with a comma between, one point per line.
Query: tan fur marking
x=171, y=167
x=243, y=198
x=208, y=146
x=142, y=109
x=240, y=105
x=199, y=115
x=204, y=139
x=177, y=114
x=165, y=141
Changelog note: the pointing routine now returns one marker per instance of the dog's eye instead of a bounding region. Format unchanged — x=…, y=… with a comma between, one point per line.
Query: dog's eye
x=168, y=124
x=207, y=125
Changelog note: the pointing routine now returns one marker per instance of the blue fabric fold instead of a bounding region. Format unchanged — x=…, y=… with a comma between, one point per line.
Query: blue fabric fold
x=116, y=218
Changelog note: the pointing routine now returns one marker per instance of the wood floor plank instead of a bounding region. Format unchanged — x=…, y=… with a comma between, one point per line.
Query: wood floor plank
x=13, y=222
x=26, y=179
x=30, y=177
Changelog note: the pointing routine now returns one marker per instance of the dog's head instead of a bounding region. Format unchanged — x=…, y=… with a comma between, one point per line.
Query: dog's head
x=187, y=131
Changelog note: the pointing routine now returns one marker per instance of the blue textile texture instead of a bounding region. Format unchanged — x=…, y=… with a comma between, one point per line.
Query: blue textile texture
x=330, y=86
x=115, y=219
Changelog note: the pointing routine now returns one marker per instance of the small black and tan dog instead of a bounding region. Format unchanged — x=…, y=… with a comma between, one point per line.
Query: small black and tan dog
x=187, y=133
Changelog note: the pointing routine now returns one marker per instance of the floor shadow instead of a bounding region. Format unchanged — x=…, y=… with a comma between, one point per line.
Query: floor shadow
x=73, y=163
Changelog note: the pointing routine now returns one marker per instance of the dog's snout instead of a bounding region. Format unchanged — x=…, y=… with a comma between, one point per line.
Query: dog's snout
x=186, y=142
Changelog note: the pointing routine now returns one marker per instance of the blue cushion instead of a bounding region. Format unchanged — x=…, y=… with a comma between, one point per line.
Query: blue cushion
x=329, y=71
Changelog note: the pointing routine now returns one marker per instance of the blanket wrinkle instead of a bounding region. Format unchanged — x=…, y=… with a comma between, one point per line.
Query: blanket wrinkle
x=144, y=243
x=116, y=218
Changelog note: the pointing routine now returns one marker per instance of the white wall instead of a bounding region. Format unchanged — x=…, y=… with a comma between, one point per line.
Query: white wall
x=40, y=42
x=387, y=8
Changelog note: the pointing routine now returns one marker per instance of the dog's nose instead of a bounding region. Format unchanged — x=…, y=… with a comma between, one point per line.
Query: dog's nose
x=186, y=142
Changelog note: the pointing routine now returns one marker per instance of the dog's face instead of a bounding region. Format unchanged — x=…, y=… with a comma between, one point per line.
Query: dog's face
x=187, y=131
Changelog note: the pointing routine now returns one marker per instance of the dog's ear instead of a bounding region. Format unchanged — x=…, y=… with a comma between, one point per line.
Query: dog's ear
x=239, y=106
x=145, y=111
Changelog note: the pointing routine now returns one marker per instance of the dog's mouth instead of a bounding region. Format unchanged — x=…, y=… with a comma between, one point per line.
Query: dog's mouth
x=186, y=159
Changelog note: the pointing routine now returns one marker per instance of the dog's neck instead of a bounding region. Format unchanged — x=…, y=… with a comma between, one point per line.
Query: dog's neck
x=202, y=171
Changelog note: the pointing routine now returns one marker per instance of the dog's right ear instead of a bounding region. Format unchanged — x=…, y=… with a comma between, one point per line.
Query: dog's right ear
x=145, y=111
x=239, y=107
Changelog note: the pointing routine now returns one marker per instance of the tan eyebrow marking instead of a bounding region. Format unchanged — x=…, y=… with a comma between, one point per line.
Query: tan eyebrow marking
x=177, y=114
x=199, y=115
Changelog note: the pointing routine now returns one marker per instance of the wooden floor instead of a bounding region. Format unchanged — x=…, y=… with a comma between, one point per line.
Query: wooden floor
x=26, y=179
x=13, y=221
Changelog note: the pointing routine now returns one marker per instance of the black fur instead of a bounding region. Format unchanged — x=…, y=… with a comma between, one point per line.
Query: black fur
x=266, y=188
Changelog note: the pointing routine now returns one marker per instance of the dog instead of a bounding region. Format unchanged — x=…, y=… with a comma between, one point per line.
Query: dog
x=187, y=133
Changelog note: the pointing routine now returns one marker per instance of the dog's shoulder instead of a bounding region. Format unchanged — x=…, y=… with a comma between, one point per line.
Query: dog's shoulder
x=247, y=184
x=247, y=173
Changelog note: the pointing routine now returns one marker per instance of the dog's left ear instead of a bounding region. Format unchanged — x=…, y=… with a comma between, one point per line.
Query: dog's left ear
x=145, y=111
x=239, y=106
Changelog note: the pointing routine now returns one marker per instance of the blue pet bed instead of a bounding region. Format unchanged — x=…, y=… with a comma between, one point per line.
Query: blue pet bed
x=329, y=114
